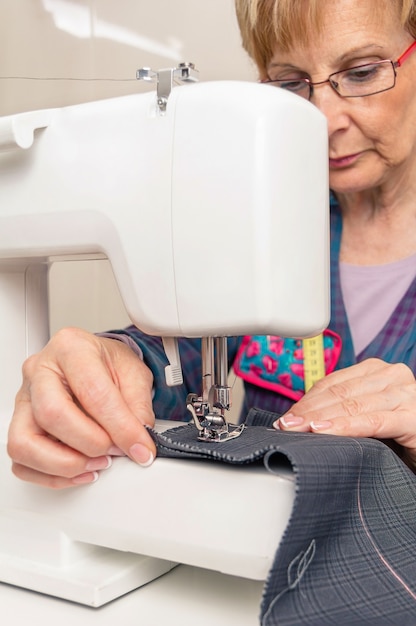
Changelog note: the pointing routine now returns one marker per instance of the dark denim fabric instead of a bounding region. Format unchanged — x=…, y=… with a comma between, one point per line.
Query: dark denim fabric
x=347, y=557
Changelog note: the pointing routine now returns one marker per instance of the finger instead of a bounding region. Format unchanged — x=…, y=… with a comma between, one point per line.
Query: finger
x=100, y=392
x=123, y=419
x=54, y=482
x=343, y=384
x=395, y=427
x=45, y=400
x=385, y=425
x=97, y=390
x=386, y=415
x=56, y=413
x=391, y=399
x=358, y=370
x=322, y=400
x=29, y=446
x=346, y=387
x=344, y=417
x=134, y=380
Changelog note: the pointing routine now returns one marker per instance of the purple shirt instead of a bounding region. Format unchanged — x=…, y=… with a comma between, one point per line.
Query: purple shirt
x=363, y=285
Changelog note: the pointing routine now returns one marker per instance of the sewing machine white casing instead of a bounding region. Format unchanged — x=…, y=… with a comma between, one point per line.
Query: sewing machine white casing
x=214, y=216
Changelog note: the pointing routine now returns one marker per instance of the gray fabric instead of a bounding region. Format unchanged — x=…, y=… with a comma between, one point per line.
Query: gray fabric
x=347, y=557
x=182, y=442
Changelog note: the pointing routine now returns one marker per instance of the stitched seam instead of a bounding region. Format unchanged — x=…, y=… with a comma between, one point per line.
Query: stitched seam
x=375, y=547
x=301, y=562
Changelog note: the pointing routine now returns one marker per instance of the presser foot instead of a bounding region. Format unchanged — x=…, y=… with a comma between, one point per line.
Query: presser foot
x=230, y=431
x=210, y=422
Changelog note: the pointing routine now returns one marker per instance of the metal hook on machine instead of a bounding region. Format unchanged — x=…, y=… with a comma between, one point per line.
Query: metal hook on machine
x=165, y=79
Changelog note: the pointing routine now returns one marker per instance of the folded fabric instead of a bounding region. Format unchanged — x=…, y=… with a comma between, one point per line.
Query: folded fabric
x=277, y=363
x=347, y=557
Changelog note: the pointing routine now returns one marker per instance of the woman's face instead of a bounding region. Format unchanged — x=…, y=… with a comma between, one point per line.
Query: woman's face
x=372, y=139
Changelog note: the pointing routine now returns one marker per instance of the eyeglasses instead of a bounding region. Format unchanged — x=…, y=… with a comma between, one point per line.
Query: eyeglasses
x=355, y=82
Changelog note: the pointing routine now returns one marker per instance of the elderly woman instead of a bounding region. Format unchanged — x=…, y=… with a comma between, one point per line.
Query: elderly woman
x=355, y=61
x=85, y=398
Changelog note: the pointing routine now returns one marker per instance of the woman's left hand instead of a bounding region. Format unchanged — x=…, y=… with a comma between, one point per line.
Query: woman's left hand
x=370, y=399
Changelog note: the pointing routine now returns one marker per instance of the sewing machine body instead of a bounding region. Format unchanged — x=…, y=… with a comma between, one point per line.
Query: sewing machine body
x=214, y=215
x=83, y=545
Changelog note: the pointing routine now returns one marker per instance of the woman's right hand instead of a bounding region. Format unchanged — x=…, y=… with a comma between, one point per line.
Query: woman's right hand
x=83, y=400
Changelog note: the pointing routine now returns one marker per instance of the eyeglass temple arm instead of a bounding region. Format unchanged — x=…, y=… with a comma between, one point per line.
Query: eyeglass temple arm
x=405, y=54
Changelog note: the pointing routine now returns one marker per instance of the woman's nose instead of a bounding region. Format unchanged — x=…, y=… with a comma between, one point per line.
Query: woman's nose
x=332, y=105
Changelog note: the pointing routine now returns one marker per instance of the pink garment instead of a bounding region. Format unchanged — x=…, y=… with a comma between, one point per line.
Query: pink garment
x=371, y=293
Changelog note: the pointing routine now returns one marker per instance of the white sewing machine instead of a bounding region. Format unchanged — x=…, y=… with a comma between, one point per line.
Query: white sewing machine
x=211, y=203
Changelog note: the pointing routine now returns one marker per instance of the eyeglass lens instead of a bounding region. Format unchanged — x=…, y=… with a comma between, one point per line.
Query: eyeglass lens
x=364, y=80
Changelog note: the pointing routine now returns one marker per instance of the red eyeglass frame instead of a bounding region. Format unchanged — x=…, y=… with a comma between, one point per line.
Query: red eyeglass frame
x=402, y=58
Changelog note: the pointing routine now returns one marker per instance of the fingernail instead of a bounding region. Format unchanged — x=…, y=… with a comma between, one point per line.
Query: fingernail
x=276, y=425
x=115, y=451
x=100, y=463
x=289, y=421
x=141, y=454
x=324, y=425
x=83, y=479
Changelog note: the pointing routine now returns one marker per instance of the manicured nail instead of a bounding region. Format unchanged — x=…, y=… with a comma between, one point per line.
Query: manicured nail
x=324, y=425
x=276, y=425
x=289, y=421
x=100, y=463
x=141, y=454
x=84, y=479
x=115, y=451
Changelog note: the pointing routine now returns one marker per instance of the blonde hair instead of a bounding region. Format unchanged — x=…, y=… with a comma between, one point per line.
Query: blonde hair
x=263, y=23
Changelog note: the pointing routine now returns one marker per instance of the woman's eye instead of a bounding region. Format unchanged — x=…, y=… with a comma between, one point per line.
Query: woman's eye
x=293, y=85
x=365, y=73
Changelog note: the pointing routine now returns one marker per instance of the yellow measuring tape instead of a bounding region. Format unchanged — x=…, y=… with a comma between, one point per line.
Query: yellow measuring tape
x=313, y=360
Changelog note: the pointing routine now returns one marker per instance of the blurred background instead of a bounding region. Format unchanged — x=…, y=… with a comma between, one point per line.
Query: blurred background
x=63, y=40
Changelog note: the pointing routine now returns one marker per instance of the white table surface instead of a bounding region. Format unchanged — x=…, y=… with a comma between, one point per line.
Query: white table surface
x=186, y=596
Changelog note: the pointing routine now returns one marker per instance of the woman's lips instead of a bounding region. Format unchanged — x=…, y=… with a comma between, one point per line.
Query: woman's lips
x=344, y=161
